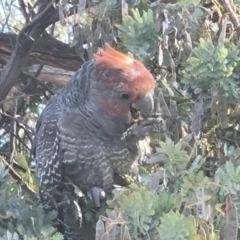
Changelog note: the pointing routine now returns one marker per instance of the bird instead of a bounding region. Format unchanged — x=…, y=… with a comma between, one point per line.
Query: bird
x=88, y=131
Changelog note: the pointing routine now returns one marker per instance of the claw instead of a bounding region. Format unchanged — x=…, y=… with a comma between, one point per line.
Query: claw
x=97, y=195
x=142, y=127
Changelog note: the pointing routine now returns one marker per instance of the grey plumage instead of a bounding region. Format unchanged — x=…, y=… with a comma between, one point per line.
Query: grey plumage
x=78, y=142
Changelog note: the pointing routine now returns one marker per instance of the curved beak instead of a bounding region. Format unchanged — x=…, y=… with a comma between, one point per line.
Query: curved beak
x=145, y=105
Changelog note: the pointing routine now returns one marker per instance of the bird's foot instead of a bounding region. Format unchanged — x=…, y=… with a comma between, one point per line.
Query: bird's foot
x=142, y=128
x=97, y=195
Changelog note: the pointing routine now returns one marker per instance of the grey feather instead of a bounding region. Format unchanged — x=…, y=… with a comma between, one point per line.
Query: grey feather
x=77, y=143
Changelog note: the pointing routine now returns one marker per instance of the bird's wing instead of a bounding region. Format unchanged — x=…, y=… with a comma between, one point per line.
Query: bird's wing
x=49, y=157
x=47, y=145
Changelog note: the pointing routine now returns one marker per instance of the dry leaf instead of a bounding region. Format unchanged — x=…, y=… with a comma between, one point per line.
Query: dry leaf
x=196, y=122
x=124, y=9
x=229, y=228
x=222, y=111
x=110, y=227
x=126, y=234
x=99, y=230
x=219, y=106
x=222, y=34
x=62, y=10
x=202, y=234
x=105, y=236
x=160, y=55
x=201, y=209
x=155, y=182
x=164, y=110
x=8, y=104
x=236, y=112
x=156, y=157
x=205, y=228
x=81, y=6
x=185, y=140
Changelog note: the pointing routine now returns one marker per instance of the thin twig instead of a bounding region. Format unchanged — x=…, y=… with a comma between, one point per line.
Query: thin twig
x=39, y=70
x=229, y=8
x=16, y=97
x=16, y=164
x=6, y=16
x=19, y=178
x=52, y=28
x=45, y=95
x=29, y=135
x=25, y=6
x=38, y=18
x=55, y=16
x=13, y=126
x=32, y=12
x=26, y=127
x=18, y=138
x=45, y=87
x=2, y=61
x=227, y=140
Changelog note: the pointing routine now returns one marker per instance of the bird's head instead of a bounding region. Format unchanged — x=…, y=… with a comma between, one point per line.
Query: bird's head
x=123, y=85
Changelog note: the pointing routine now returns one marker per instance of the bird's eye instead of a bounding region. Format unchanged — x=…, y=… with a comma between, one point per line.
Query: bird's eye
x=125, y=96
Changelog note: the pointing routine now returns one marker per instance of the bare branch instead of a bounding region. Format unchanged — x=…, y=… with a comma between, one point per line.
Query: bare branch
x=44, y=86
x=25, y=7
x=18, y=138
x=7, y=16
x=56, y=76
x=38, y=18
x=13, y=126
x=231, y=10
x=19, y=178
x=47, y=51
x=26, y=127
x=26, y=40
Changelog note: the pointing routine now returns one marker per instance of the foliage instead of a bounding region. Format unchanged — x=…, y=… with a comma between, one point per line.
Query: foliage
x=140, y=206
x=212, y=65
x=20, y=216
x=138, y=33
x=181, y=227
x=188, y=203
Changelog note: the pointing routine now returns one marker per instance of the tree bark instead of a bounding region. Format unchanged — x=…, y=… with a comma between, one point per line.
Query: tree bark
x=56, y=76
x=47, y=51
x=25, y=42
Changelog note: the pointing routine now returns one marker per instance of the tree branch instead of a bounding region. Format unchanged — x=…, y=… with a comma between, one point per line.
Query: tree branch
x=20, y=54
x=19, y=178
x=230, y=9
x=17, y=137
x=26, y=40
x=25, y=126
x=55, y=14
x=37, y=20
x=25, y=7
x=13, y=126
x=44, y=86
x=47, y=51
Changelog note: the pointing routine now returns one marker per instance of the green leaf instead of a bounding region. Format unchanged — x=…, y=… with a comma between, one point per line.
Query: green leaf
x=181, y=227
